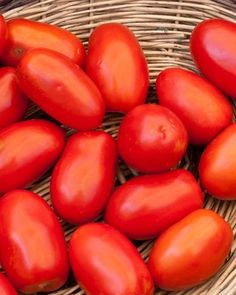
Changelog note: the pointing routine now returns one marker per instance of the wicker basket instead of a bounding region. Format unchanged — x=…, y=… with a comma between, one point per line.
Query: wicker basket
x=163, y=29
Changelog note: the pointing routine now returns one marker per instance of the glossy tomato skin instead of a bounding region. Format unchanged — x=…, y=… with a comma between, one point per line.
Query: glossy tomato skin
x=32, y=243
x=3, y=34
x=191, y=251
x=6, y=287
x=98, y=251
x=201, y=107
x=146, y=205
x=61, y=89
x=214, y=54
x=27, y=150
x=152, y=139
x=24, y=35
x=84, y=177
x=117, y=65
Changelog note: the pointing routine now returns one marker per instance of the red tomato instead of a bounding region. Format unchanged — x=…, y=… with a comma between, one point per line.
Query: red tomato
x=200, y=106
x=145, y=206
x=3, y=34
x=217, y=168
x=27, y=150
x=5, y=286
x=117, y=65
x=26, y=34
x=13, y=103
x=106, y=262
x=84, y=177
x=152, y=139
x=191, y=251
x=61, y=89
x=213, y=46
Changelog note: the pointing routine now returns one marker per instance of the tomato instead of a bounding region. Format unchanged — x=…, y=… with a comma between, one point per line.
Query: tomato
x=26, y=34
x=146, y=205
x=117, y=65
x=3, y=34
x=84, y=177
x=213, y=47
x=200, y=106
x=32, y=245
x=151, y=138
x=61, y=89
x=191, y=251
x=5, y=286
x=106, y=262
x=27, y=150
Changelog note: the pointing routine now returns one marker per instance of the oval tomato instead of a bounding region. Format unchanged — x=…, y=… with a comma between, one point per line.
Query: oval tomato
x=213, y=47
x=117, y=65
x=200, y=106
x=191, y=251
x=61, y=89
x=98, y=251
x=24, y=34
x=146, y=205
x=151, y=138
x=84, y=177
x=27, y=150
x=3, y=34
x=5, y=286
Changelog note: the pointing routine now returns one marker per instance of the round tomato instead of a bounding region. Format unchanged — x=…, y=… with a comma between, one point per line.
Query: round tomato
x=200, y=106
x=3, y=34
x=191, y=251
x=152, y=139
x=24, y=34
x=32, y=245
x=61, y=89
x=98, y=251
x=117, y=65
x=5, y=286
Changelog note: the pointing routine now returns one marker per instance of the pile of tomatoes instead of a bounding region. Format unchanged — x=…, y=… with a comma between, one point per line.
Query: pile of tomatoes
x=48, y=65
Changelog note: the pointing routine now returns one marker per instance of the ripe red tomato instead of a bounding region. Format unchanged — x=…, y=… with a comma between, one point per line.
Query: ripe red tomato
x=146, y=205
x=26, y=34
x=217, y=168
x=200, y=106
x=13, y=103
x=152, y=139
x=213, y=46
x=191, y=251
x=27, y=150
x=3, y=34
x=84, y=177
x=98, y=251
x=117, y=65
x=61, y=89
x=6, y=287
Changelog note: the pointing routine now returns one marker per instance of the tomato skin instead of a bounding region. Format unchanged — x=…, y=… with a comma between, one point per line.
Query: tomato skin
x=98, y=251
x=191, y=251
x=6, y=287
x=146, y=205
x=152, y=139
x=3, y=34
x=117, y=65
x=78, y=192
x=24, y=35
x=200, y=106
x=27, y=150
x=47, y=77
x=214, y=54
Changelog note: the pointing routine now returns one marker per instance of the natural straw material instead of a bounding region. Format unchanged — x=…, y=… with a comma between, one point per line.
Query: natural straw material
x=163, y=29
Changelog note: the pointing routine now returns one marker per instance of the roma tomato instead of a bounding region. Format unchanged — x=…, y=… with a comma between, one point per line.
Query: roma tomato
x=152, y=139
x=200, y=106
x=61, y=89
x=117, y=65
x=191, y=251
x=24, y=35
x=32, y=245
x=213, y=47
x=3, y=34
x=84, y=177
x=146, y=205
x=6, y=287
x=13, y=103
x=217, y=168
x=27, y=150
x=98, y=251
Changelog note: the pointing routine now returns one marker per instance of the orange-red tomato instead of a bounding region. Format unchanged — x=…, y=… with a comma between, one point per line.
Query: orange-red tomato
x=191, y=251
x=3, y=34
x=117, y=65
x=6, y=287
x=24, y=35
